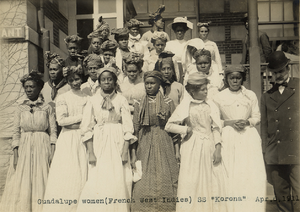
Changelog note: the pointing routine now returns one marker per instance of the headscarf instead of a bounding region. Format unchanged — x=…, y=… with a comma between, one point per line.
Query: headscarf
x=70, y=70
x=73, y=39
x=95, y=34
x=135, y=58
x=120, y=32
x=234, y=68
x=134, y=23
x=159, y=35
x=102, y=25
x=156, y=15
x=109, y=45
x=93, y=59
x=197, y=79
x=205, y=24
x=202, y=52
x=53, y=58
x=34, y=76
x=161, y=108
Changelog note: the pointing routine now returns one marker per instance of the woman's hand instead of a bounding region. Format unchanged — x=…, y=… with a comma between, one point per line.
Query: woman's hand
x=15, y=162
x=189, y=133
x=133, y=160
x=92, y=159
x=73, y=126
x=177, y=156
x=52, y=153
x=241, y=124
x=217, y=155
x=124, y=157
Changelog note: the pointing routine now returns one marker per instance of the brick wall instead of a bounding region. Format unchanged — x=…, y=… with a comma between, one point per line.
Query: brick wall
x=226, y=19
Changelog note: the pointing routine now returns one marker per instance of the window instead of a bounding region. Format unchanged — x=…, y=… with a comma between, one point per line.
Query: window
x=279, y=18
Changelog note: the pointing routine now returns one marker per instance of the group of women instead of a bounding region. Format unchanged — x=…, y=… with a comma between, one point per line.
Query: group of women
x=135, y=138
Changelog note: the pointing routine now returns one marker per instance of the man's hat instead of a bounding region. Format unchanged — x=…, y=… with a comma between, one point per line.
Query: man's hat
x=277, y=61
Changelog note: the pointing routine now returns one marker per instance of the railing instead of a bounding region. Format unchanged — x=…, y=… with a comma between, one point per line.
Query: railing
x=266, y=76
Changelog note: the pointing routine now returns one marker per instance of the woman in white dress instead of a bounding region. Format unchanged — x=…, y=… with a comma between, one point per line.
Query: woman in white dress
x=210, y=45
x=202, y=175
x=68, y=171
x=180, y=26
x=34, y=137
x=107, y=131
x=242, y=144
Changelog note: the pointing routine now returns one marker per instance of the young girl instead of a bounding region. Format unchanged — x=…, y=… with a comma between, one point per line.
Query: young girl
x=156, y=191
x=34, y=138
x=107, y=131
x=92, y=63
x=242, y=144
x=201, y=175
x=174, y=90
x=68, y=170
x=202, y=65
x=159, y=41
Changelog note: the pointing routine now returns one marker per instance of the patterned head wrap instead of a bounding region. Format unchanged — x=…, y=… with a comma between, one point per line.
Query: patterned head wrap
x=155, y=74
x=156, y=15
x=102, y=25
x=136, y=59
x=134, y=23
x=202, y=52
x=159, y=35
x=53, y=58
x=70, y=70
x=205, y=24
x=34, y=76
x=93, y=59
x=120, y=32
x=95, y=34
x=109, y=45
x=73, y=39
x=165, y=57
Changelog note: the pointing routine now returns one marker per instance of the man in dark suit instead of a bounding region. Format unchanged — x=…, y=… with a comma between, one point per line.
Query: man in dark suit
x=280, y=133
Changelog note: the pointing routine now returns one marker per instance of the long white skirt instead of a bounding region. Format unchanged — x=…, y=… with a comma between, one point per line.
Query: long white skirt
x=246, y=170
x=68, y=173
x=109, y=182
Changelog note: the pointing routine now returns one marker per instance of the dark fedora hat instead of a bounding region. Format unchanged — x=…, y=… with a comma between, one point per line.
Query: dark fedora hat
x=277, y=61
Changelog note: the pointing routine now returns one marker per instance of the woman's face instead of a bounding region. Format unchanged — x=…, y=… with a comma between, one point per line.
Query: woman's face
x=134, y=31
x=54, y=71
x=107, y=82
x=72, y=49
x=159, y=45
x=132, y=72
x=235, y=80
x=201, y=93
x=96, y=43
x=203, y=33
x=104, y=33
x=74, y=80
x=167, y=70
x=179, y=32
x=92, y=69
x=107, y=55
x=123, y=42
x=203, y=64
x=159, y=23
x=32, y=90
x=152, y=86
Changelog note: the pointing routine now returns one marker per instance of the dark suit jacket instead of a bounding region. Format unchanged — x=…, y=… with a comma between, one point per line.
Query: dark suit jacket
x=280, y=124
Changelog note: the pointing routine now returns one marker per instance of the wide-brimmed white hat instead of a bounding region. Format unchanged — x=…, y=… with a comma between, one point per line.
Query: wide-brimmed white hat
x=181, y=20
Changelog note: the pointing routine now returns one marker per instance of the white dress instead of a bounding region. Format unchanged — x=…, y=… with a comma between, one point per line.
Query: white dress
x=90, y=87
x=242, y=150
x=109, y=178
x=199, y=180
x=33, y=133
x=215, y=55
x=68, y=171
